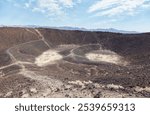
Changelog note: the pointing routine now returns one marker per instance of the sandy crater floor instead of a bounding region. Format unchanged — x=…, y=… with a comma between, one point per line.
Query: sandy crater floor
x=47, y=58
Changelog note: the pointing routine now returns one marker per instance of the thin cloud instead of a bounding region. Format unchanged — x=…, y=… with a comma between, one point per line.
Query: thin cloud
x=117, y=7
x=48, y=7
x=67, y=3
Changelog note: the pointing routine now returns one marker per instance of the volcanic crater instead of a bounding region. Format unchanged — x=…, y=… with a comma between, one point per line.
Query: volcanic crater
x=44, y=62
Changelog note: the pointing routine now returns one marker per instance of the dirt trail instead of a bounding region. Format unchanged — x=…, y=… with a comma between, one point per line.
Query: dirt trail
x=39, y=33
x=15, y=61
x=32, y=31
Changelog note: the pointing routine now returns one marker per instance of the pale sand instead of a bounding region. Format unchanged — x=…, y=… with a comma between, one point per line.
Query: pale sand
x=109, y=58
x=80, y=83
x=47, y=58
x=113, y=86
x=140, y=89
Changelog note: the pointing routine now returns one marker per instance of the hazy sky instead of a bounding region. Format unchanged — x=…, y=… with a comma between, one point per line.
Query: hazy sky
x=119, y=14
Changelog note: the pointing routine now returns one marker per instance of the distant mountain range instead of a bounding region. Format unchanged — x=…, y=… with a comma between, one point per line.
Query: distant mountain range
x=99, y=30
x=77, y=28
